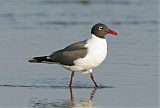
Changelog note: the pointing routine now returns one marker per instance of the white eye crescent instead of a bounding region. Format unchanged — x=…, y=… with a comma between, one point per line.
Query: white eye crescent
x=100, y=28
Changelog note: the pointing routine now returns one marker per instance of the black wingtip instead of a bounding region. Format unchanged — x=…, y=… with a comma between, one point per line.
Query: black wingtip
x=41, y=59
x=33, y=61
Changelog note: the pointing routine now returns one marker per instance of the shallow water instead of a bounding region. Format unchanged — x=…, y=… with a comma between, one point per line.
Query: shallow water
x=129, y=76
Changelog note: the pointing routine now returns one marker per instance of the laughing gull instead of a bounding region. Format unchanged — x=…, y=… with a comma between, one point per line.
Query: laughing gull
x=81, y=56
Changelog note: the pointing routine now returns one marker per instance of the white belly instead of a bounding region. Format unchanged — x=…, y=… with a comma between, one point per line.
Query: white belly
x=97, y=51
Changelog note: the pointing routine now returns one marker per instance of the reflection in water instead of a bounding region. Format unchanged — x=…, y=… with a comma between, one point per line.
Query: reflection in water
x=63, y=103
x=82, y=103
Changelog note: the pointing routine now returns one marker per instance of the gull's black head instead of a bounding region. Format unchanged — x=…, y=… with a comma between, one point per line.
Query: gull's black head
x=100, y=30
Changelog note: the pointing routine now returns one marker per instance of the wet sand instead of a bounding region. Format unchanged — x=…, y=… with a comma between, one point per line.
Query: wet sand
x=129, y=77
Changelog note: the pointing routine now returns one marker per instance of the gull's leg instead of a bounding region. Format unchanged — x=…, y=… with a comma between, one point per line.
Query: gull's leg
x=91, y=75
x=72, y=75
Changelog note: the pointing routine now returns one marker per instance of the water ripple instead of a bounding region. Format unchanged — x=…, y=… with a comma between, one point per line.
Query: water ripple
x=124, y=2
x=62, y=23
x=55, y=87
x=88, y=22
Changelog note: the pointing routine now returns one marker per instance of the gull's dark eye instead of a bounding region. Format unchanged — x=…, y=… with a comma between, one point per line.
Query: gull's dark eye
x=100, y=28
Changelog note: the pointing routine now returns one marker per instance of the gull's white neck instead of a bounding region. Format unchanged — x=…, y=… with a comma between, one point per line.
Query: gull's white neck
x=97, y=45
x=95, y=37
x=97, y=41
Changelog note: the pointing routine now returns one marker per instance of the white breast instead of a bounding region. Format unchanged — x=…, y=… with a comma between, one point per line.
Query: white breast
x=97, y=51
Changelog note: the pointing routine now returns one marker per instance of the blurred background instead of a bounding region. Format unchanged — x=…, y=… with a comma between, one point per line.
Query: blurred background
x=31, y=28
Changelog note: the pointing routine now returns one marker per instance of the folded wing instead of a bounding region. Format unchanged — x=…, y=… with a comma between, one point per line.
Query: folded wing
x=72, y=52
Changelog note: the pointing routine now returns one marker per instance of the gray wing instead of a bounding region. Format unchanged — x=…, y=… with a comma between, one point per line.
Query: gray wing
x=72, y=52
